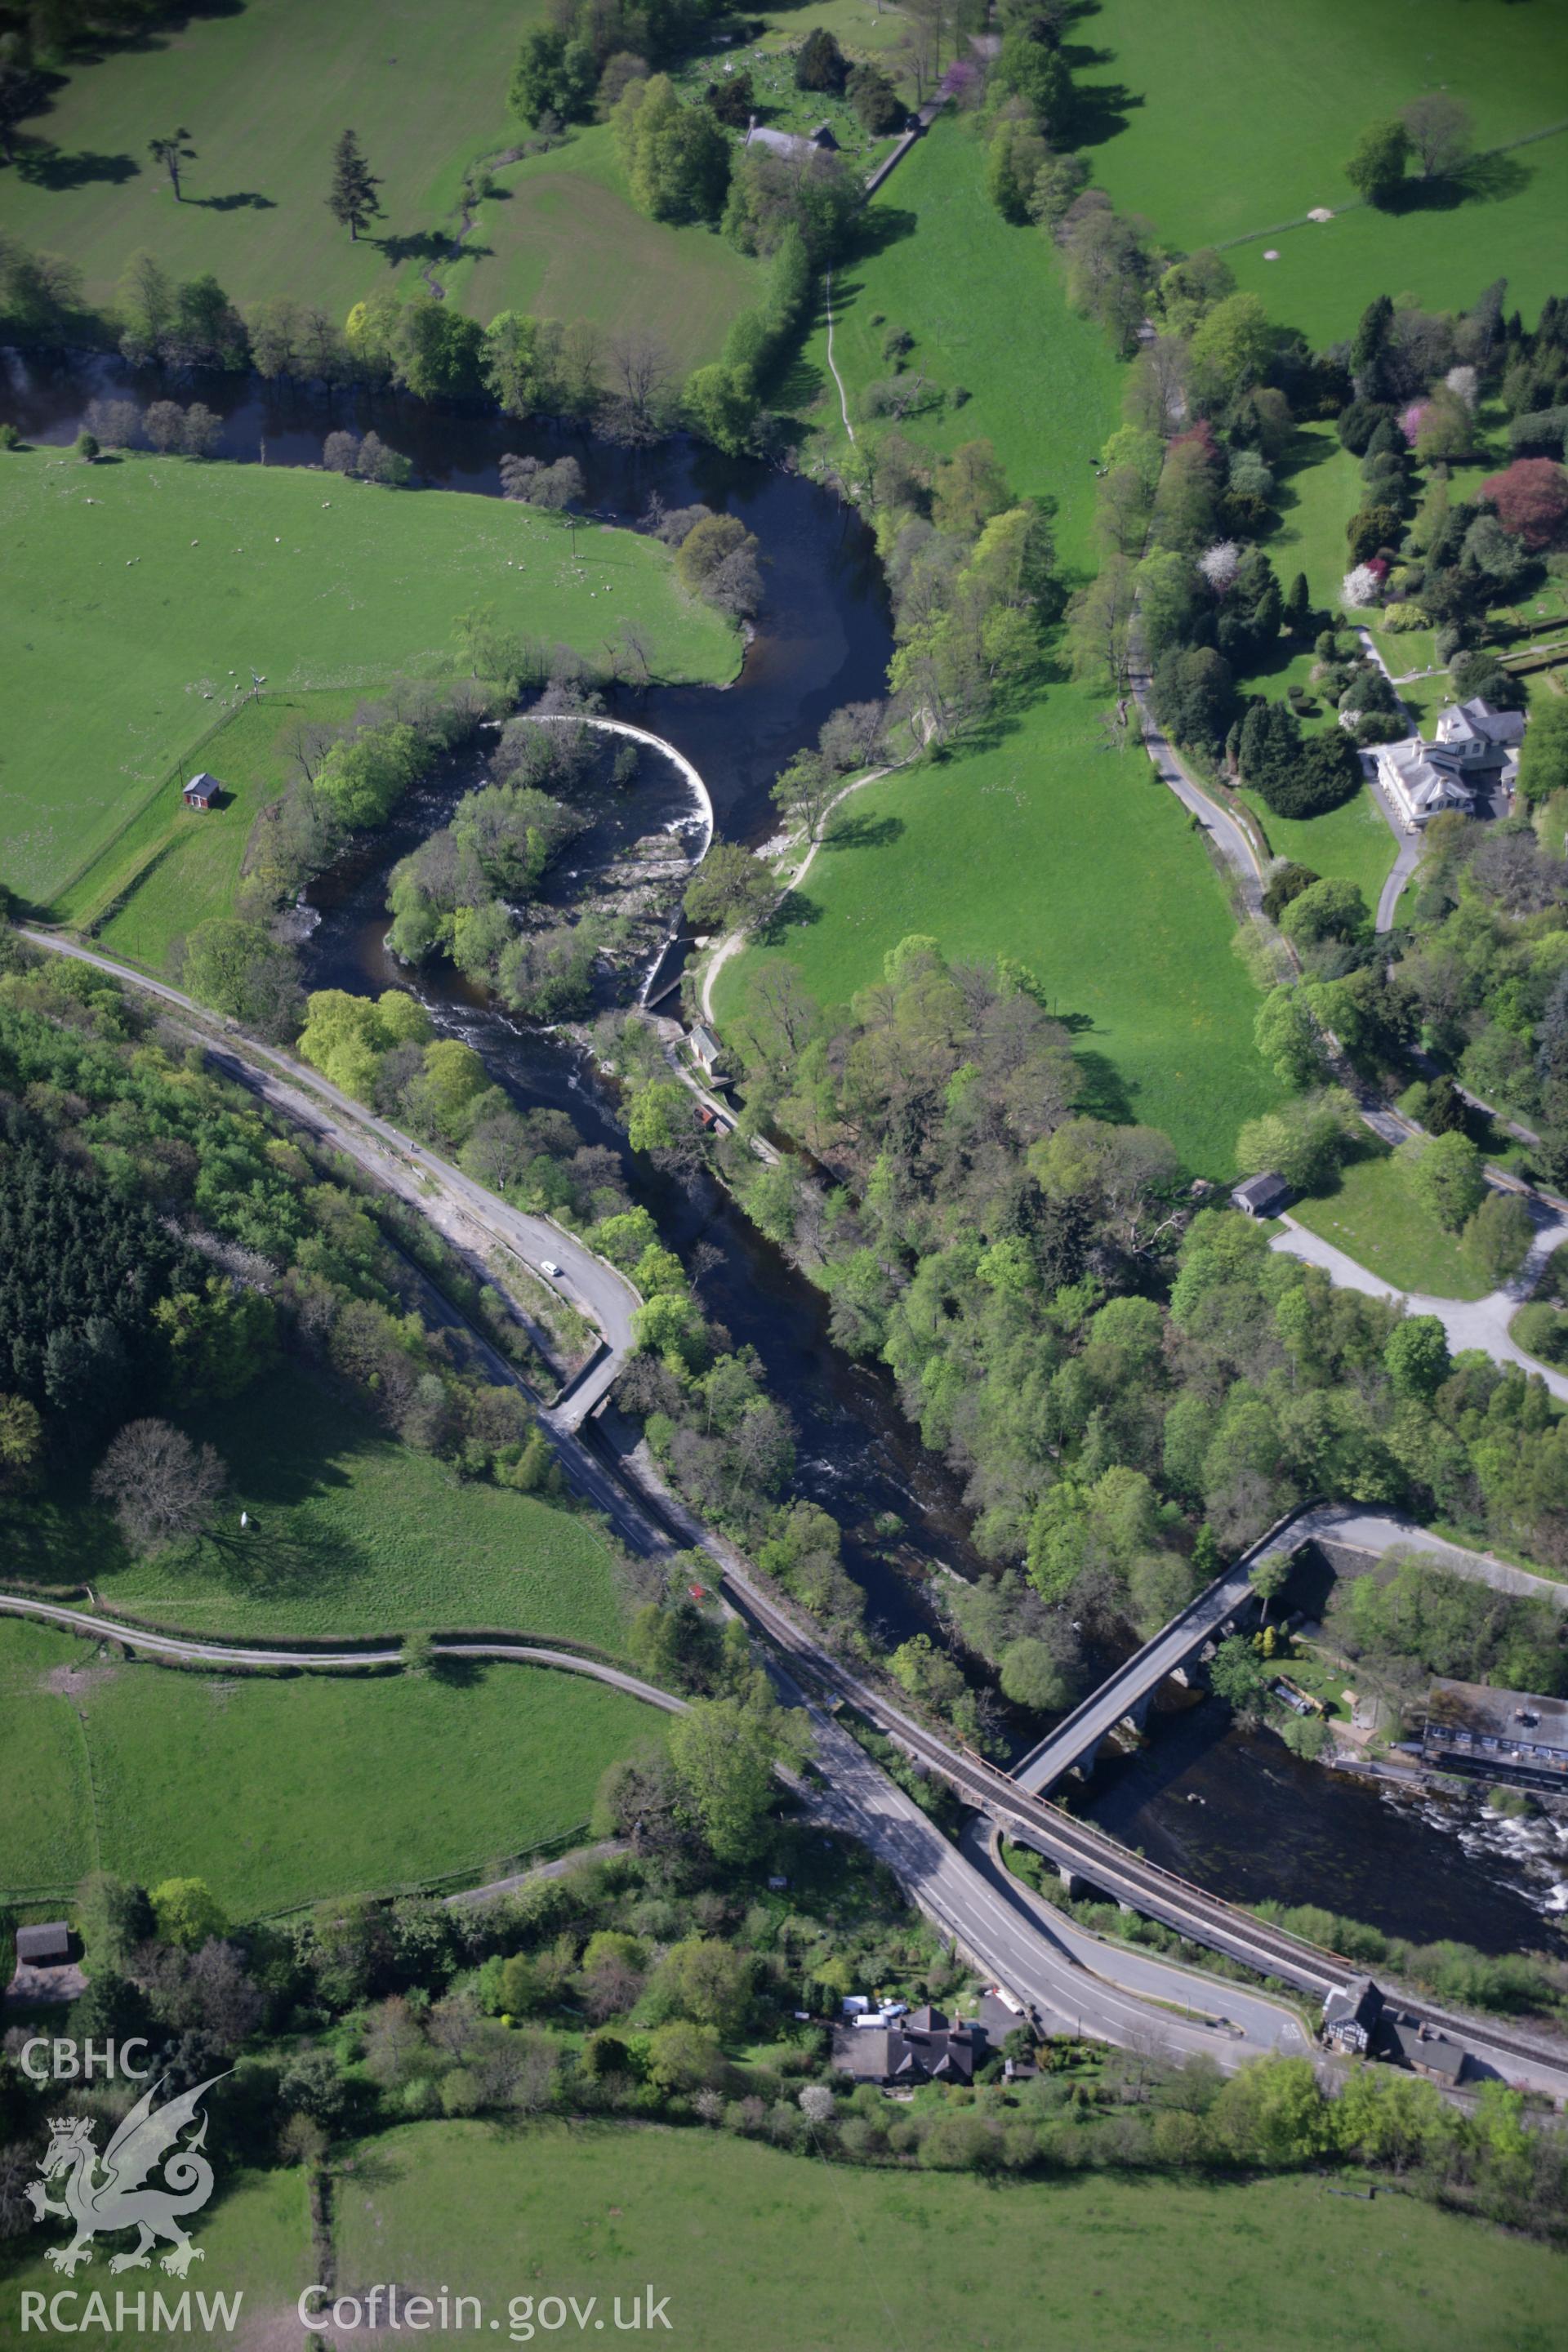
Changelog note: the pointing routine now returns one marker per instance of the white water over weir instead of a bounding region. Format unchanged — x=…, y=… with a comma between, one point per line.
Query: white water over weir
x=658, y=742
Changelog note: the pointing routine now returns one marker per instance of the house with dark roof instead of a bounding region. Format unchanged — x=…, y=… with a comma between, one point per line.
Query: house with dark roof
x=1260, y=1196
x=1496, y=1735
x=1421, y=2047
x=1357, y=2019
x=201, y=791
x=927, y=2046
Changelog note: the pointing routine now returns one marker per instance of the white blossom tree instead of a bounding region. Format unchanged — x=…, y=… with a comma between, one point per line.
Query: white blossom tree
x=1219, y=564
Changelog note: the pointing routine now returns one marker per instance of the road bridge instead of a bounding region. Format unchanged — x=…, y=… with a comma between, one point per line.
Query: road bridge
x=1126, y=1695
x=1177, y=1650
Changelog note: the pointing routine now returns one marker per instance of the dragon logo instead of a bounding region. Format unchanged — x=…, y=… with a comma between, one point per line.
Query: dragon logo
x=117, y=2200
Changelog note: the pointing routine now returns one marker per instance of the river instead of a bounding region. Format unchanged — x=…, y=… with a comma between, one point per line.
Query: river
x=1266, y=1825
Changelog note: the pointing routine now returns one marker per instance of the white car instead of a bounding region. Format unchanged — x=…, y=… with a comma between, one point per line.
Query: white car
x=548, y=1266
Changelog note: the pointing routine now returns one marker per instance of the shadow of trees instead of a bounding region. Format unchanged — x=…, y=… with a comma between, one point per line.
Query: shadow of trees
x=241, y=200
x=1487, y=179
x=52, y=168
x=855, y=831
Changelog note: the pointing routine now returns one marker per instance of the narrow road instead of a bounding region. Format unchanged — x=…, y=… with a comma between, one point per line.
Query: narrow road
x=1259, y=2020
x=833, y=365
x=462, y=1210
x=1229, y=837
x=1468, y=1322
x=1359, y=1530
x=185, y=1649
x=495, y=1888
x=1406, y=859
x=1078, y=1984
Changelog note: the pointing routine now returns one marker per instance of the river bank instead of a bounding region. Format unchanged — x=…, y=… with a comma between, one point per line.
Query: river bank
x=1268, y=1823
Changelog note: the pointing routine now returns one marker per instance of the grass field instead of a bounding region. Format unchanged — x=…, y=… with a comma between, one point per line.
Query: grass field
x=986, y=307
x=560, y=236
x=174, y=866
x=142, y=594
x=1095, y=2263
x=47, y=1843
x=264, y=92
x=1243, y=124
x=1046, y=847
x=254, y=2239
x=1374, y=1217
x=354, y=1534
x=281, y=1792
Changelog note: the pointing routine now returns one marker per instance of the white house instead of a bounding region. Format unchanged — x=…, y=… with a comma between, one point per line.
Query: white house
x=1475, y=755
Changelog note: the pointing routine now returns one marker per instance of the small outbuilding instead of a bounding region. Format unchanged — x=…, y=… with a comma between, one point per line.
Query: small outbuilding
x=45, y=1970
x=1261, y=1196
x=201, y=791
x=705, y=1051
x=45, y=1947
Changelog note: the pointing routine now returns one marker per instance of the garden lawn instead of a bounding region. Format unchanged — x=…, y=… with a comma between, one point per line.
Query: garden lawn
x=1350, y=844
x=1225, y=130
x=254, y=2239
x=285, y=1791
x=986, y=305
x=173, y=867
x=1374, y=1217
x=1096, y=2262
x=354, y=1534
x=1050, y=848
x=142, y=594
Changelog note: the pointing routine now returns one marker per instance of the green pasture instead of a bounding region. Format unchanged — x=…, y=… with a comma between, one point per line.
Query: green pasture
x=862, y=28
x=354, y=1534
x=264, y=92
x=1237, y=120
x=1327, y=273
x=1373, y=1216
x=1045, y=845
x=174, y=866
x=289, y=1790
x=753, y=2246
x=254, y=2239
x=987, y=306
x=559, y=235
x=46, y=1843
x=142, y=594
